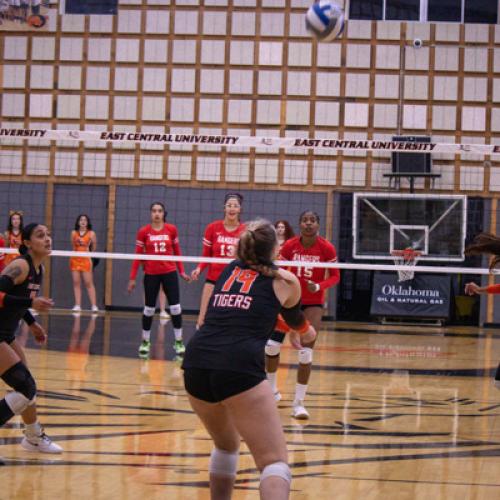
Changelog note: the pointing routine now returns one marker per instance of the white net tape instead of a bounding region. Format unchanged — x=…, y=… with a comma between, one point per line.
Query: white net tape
x=405, y=266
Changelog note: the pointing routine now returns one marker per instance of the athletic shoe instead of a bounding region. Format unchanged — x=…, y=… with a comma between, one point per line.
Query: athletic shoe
x=299, y=412
x=144, y=348
x=277, y=396
x=94, y=309
x=41, y=444
x=76, y=309
x=179, y=347
x=164, y=315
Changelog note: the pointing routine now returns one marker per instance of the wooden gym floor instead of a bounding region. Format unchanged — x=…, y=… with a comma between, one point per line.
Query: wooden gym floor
x=396, y=413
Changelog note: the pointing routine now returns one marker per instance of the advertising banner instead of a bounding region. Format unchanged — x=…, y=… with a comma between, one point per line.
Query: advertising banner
x=425, y=296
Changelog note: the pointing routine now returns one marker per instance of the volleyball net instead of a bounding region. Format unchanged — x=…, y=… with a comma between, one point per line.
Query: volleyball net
x=52, y=176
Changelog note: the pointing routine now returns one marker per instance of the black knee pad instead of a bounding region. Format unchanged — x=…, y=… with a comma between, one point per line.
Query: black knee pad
x=20, y=379
x=177, y=321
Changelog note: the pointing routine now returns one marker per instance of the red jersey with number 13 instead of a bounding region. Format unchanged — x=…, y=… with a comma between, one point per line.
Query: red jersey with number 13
x=157, y=242
x=219, y=242
x=321, y=251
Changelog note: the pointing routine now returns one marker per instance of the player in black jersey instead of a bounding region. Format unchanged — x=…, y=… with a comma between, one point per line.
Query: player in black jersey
x=224, y=363
x=20, y=283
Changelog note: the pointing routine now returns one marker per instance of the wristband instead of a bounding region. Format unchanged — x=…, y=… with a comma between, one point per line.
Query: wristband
x=281, y=325
x=318, y=288
x=28, y=318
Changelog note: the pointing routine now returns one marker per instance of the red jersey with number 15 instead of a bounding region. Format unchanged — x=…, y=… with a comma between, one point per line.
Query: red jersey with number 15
x=157, y=242
x=321, y=251
x=219, y=242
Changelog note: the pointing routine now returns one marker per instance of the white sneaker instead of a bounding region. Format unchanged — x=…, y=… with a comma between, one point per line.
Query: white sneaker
x=299, y=412
x=277, y=396
x=94, y=309
x=41, y=444
x=164, y=314
x=76, y=309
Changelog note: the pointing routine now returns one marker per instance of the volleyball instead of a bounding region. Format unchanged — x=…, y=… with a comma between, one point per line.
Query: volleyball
x=36, y=20
x=325, y=20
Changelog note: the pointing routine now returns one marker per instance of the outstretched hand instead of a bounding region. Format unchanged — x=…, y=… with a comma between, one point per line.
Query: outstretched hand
x=39, y=333
x=297, y=340
x=472, y=288
x=195, y=274
x=185, y=277
x=42, y=303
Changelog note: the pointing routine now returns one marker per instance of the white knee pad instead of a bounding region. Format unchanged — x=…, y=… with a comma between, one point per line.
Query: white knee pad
x=305, y=356
x=273, y=347
x=148, y=311
x=17, y=402
x=223, y=463
x=279, y=469
x=175, y=309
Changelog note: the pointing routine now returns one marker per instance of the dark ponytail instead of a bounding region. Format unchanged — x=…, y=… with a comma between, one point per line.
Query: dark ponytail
x=237, y=196
x=309, y=212
x=26, y=234
x=256, y=247
x=162, y=206
x=485, y=243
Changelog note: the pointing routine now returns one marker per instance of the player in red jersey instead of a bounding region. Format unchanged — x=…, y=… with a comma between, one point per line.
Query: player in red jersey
x=159, y=238
x=308, y=247
x=220, y=240
x=488, y=244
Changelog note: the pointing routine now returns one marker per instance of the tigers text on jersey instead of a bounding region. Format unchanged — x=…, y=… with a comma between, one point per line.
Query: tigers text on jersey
x=240, y=317
x=321, y=251
x=219, y=242
x=157, y=242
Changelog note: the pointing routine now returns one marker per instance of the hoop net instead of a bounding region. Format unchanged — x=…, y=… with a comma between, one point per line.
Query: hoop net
x=406, y=258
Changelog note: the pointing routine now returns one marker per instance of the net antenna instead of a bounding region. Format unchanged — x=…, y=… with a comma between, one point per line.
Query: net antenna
x=405, y=259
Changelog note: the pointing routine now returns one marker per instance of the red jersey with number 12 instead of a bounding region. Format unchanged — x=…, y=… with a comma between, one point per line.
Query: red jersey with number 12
x=321, y=251
x=219, y=242
x=157, y=242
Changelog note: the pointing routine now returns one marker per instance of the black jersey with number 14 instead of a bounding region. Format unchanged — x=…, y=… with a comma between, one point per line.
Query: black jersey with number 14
x=240, y=317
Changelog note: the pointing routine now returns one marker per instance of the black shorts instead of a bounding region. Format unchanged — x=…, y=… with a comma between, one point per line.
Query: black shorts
x=7, y=338
x=214, y=386
x=307, y=306
x=210, y=282
x=170, y=284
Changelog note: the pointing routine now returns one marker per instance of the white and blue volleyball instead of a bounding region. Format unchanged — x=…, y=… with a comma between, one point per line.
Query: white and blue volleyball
x=325, y=20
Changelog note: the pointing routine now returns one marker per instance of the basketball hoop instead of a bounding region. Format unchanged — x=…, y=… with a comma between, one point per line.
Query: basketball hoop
x=407, y=257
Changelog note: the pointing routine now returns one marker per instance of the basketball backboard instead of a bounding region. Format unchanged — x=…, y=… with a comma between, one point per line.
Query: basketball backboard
x=434, y=225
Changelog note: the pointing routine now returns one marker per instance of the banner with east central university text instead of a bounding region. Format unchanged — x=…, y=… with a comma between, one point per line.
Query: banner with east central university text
x=425, y=296
x=325, y=143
